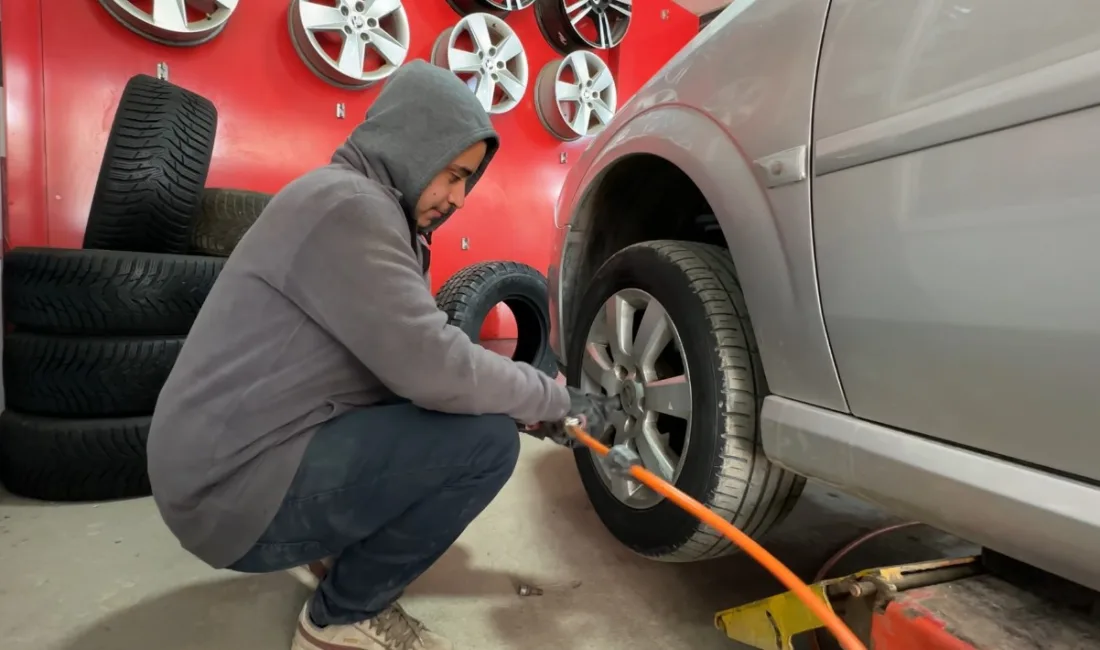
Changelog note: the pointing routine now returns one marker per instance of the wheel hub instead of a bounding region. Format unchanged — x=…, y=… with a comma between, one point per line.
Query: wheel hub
x=633, y=398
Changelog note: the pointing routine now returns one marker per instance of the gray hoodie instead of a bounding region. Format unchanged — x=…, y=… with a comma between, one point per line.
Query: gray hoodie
x=322, y=308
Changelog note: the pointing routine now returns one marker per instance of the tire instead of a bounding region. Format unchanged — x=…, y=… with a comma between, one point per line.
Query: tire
x=225, y=216
x=73, y=460
x=467, y=296
x=153, y=170
x=723, y=466
x=79, y=377
x=90, y=292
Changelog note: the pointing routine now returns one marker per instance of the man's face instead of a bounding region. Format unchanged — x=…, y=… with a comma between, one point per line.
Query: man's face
x=447, y=191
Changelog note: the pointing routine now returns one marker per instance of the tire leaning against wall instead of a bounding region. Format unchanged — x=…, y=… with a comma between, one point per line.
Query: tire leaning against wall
x=225, y=216
x=154, y=168
x=468, y=296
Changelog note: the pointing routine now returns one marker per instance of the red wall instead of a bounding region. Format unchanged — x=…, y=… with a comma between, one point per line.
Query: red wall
x=65, y=63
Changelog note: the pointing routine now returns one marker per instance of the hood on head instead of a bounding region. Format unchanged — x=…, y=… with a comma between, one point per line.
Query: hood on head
x=422, y=120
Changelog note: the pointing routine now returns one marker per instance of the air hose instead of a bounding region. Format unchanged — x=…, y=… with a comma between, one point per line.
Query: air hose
x=844, y=635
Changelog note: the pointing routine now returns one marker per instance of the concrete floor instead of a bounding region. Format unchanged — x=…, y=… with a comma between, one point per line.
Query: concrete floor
x=111, y=577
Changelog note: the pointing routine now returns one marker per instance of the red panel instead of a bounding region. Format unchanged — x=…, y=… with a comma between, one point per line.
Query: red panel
x=25, y=216
x=276, y=119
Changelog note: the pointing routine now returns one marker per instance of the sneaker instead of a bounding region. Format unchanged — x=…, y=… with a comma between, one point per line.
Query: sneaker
x=393, y=629
x=313, y=573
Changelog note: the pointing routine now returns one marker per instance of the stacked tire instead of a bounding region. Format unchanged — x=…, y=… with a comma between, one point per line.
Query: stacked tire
x=93, y=333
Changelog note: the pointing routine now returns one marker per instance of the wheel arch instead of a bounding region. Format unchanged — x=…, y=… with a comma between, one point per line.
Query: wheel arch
x=673, y=153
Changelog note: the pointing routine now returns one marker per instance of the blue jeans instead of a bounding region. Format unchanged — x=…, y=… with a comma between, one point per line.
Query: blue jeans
x=384, y=490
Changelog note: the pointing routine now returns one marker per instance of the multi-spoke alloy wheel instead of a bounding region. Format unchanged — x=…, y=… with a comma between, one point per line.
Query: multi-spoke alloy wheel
x=575, y=97
x=173, y=22
x=485, y=53
x=350, y=43
x=495, y=7
x=634, y=351
x=663, y=325
x=571, y=25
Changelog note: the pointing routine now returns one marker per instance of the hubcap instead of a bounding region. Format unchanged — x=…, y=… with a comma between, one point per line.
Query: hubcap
x=634, y=351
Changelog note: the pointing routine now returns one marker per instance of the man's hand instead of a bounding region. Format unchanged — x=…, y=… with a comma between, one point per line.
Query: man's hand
x=594, y=412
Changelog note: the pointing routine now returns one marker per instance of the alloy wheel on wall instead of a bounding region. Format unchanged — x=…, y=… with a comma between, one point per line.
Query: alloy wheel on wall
x=173, y=22
x=571, y=25
x=576, y=97
x=350, y=43
x=495, y=7
x=488, y=55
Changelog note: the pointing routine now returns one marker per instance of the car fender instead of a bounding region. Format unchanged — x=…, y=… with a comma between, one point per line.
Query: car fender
x=704, y=150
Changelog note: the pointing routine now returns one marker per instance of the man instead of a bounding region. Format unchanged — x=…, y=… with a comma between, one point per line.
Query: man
x=322, y=406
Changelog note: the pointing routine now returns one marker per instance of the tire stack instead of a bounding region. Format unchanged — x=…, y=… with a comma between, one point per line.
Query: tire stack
x=93, y=333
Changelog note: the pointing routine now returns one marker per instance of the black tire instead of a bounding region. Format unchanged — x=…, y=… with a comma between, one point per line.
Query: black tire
x=73, y=460
x=80, y=377
x=467, y=296
x=225, y=216
x=88, y=292
x=154, y=169
x=724, y=465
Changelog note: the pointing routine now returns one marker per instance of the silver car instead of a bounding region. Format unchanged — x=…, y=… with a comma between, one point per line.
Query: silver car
x=857, y=241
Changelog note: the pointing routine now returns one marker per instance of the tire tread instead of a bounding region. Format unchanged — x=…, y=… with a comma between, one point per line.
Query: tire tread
x=154, y=169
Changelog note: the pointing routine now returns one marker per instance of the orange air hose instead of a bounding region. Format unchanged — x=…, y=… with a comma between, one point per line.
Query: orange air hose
x=848, y=640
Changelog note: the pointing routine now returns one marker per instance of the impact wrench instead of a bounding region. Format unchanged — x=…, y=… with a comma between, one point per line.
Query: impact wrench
x=625, y=461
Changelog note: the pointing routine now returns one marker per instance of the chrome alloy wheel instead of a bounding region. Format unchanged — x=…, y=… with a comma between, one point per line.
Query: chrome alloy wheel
x=633, y=350
x=576, y=97
x=571, y=25
x=487, y=54
x=361, y=27
x=496, y=7
x=173, y=22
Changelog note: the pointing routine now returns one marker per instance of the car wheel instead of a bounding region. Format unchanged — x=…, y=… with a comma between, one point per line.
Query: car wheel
x=663, y=325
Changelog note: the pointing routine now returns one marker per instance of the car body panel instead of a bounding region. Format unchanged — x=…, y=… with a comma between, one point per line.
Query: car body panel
x=1036, y=517
x=957, y=263
x=952, y=233
x=713, y=128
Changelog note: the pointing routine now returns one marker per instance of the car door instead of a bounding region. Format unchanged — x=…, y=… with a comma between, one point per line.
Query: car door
x=956, y=207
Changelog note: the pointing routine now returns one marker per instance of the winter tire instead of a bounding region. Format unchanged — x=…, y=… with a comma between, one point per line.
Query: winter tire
x=90, y=292
x=73, y=460
x=225, y=216
x=154, y=169
x=689, y=374
x=86, y=377
x=468, y=296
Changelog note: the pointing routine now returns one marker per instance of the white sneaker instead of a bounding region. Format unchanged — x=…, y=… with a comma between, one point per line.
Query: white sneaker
x=393, y=629
x=313, y=573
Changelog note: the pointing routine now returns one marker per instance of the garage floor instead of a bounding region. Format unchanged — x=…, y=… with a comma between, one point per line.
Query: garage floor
x=110, y=576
